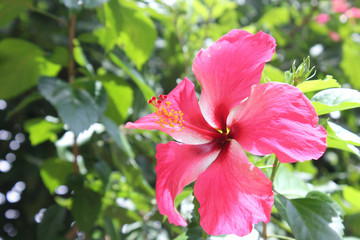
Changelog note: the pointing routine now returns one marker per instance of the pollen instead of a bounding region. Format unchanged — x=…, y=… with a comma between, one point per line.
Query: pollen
x=166, y=116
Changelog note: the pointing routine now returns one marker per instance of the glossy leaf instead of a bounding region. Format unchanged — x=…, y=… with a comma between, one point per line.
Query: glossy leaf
x=127, y=26
x=351, y=61
x=10, y=9
x=135, y=76
x=120, y=98
x=52, y=223
x=316, y=85
x=54, y=173
x=340, y=138
x=85, y=209
x=21, y=64
x=272, y=74
x=311, y=218
x=75, y=106
x=288, y=184
x=336, y=99
x=352, y=195
x=41, y=130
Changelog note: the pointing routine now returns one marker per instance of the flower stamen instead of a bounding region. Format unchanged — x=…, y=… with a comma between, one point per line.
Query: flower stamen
x=167, y=116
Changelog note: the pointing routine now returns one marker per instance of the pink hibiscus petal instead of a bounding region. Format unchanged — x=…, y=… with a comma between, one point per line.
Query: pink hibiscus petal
x=193, y=128
x=227, y=70
x=233, y=194
x=278, y=118
x=177, y=166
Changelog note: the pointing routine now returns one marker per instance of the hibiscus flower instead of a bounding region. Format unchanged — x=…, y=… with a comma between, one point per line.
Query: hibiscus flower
x=235, y=113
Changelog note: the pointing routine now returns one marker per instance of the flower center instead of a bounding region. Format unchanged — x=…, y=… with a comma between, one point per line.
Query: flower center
x=166, y=116
x=224, y=137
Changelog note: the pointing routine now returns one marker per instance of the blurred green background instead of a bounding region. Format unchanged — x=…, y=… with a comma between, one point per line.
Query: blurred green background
x=124, y=53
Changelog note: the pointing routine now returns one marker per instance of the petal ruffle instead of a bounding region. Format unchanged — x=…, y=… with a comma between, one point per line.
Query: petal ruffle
x=177, y=166
x=278, y=118
x=233, y=194
x=195, y=129
x=227, y=70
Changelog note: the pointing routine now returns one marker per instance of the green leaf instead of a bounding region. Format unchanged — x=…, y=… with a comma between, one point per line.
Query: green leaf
x=335, y=99
x=10, y=9
x=288, y=184
x=351, y=61
x=120, y=98
x=135, y=76
x=311, y=218
x=316, y=85
x=75, y=106
x=325, y=197
x=343, y=134
x=272, y=74
x=21, y=64
x=52, y=223
x=281, y=13
x=86, y=208
x=340, y=138
x=127, y=26
x=54, y=173
x=41, y=130
x=352, y=195
x=342, y=145
x=110, y=228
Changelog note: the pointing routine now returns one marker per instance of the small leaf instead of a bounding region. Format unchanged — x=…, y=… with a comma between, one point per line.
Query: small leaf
x=21, y=64
x=120, y=98
x=75, y=106
x=316, y=85
x=86, y=208
x=281, y=13
x=54, y=173
x=10, y=9
x=41, y=130
x=135, y=76
x=343, y=134
x=52, y=223
x=288, y=184
x=273, y=74
x=325, y=197
x=335, y=99
x=127, y=26
x=340, y=138
x=352, y=195
x=24, y=102
x=311, y=218
x=351, y=61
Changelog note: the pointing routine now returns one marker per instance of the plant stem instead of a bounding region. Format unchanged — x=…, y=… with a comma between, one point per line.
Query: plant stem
x=71, y=76
x=71, y=67
x=275, y=166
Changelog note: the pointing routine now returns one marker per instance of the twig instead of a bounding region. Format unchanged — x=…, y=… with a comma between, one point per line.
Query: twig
x=71, y=67
x=275, y=166
x=71, y=76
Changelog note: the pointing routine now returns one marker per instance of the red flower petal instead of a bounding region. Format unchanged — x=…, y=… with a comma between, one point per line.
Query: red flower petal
x=278, y=118
x=177, y=166
x=233, y=194
x=227, y=70
x=195, y=129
